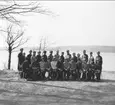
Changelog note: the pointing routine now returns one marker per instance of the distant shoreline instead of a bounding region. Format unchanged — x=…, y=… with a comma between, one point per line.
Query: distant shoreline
x=104, y=49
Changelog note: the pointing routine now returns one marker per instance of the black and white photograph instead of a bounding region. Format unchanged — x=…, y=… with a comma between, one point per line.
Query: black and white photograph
x=57, y=52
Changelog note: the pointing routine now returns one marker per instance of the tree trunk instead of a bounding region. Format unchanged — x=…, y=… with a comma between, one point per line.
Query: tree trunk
x=9, y=58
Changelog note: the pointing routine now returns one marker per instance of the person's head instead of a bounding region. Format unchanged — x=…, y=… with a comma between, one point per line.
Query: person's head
x=98, y=53
x=67, y=51
x=84, y=51
x=34, y=53
x=21, y=50
x=78, y=55
x=74, y=54
x=30, y=51
x=51, y=52
x=44, y=52
x=62, y=53
x=39, y=52
x=91, y=53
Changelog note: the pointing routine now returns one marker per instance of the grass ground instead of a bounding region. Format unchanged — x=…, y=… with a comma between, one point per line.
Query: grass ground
x=14, y=91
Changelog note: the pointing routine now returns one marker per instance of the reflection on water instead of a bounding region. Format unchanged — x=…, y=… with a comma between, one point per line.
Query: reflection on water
x=108, y=60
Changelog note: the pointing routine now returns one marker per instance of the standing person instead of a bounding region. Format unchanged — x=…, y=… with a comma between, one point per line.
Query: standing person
x=44, y=56
x=24, y=55
x=91, y=58
x=91, y=70
x=79, y=66
x=73, y=69
x=68, y=56
x=25, y=67
x=29, y=56
x=35, y=70
x=84, y=65
x=38, y=57
x=54, y=73
x=21, y=59
x=48, y=70
x=99, y=62
x=62, y=57
x=74, y=57
x=33, y=58
x=57, y=56
x=84, y=56
x=50, y=57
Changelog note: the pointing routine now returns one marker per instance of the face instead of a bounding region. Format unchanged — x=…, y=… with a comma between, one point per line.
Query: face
x=91, y=53
x=73, y=54
x=21, y=50
x=34, y=53
x=84, y=52
x=98, y=53
x=30, y=52
x=67, y=52
x=62, y=53
x=78, y=55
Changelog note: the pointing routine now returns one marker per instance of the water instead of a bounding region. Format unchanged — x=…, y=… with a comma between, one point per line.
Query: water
x=108, y=60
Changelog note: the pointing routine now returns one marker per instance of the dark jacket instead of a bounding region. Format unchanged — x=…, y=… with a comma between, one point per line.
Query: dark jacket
x=45, y=58
x=62, y=58
x=38, y=58
x=29, y=58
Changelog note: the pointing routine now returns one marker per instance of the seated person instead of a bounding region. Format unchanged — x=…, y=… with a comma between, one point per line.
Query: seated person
x=73, y=68
x=42, y=68
x=54, y=73
x=60, y=69
x=25, y=68
x=48, y=69
x=91, y=70
x=66, y=69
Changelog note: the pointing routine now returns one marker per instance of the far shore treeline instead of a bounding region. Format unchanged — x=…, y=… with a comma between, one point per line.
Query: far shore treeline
x=105, y=49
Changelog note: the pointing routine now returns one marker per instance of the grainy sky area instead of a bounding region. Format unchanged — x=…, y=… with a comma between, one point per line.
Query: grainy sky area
x=77, y=23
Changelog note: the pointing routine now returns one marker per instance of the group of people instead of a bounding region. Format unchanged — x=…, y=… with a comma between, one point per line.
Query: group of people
x=59, y=67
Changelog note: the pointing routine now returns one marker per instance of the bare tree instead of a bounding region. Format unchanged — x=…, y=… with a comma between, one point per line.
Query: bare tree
x=10, y=10
x=44, y=43
x=13, y=40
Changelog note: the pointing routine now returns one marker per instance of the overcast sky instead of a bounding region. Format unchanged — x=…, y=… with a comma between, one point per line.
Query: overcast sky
x=77, y=23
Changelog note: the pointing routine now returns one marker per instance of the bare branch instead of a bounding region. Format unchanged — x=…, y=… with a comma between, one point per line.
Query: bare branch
x=9, y=11
x=14, y=39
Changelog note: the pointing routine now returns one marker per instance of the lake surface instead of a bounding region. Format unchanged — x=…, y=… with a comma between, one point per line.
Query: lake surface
x=108, y=60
